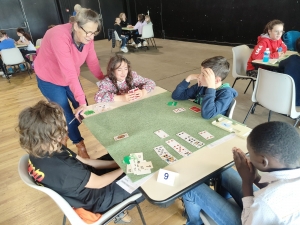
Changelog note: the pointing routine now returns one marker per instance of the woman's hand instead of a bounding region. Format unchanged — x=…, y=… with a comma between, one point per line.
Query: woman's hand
x=78, y=111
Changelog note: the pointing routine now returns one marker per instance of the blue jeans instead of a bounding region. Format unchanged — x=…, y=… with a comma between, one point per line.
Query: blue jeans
x=60, y=95
x=124, y=41
x=215, y=205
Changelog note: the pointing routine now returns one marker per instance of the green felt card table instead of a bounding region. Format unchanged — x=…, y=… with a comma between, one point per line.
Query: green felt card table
x=140, y=119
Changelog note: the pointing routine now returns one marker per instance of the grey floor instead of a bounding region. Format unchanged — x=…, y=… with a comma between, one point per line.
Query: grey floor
x=173, y=61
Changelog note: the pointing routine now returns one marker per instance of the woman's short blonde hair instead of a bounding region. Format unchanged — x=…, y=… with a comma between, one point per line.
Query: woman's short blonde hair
x=77, y=7
x=87, y=15
x=121, y=15
x=41, y=127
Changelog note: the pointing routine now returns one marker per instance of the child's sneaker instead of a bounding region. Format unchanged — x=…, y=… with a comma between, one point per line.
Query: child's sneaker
x=139, y=45
x=132, y=43
x=22, y=67
x=10, y=70
x=145, y=43
x=123, y=50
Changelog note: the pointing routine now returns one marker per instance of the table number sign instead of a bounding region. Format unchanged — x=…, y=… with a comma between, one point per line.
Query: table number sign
x=166, y=177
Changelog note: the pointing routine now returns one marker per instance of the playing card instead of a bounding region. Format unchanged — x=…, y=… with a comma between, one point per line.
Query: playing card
x=137, y=156
x=129, y=169
x=178, y=110
x=146, y=165
x=195, y=109
x=142, y=171
x=178, y=147
x=172, y=103
x=134, y=165
x=206, y=135
x=189, y=139
x=121, y=136
x=161, y=134
x=164, y=154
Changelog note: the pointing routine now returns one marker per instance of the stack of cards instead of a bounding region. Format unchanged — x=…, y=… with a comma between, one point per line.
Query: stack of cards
x=132, y=91
x=121, y=136
x=101, y=108
x=164, y=154
x=178, y=148
x=206, y=135
x=195, y=109
x=161, y=134
x=138, y=165
x=172, y=103
x=191, y=140
x=178, y=110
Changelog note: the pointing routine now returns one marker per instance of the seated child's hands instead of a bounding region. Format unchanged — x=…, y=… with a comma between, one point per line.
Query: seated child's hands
x=209, y=77
x=192, y=77
x=140, y=93
x=243, y=165
x=281, y=54
x=128, y=97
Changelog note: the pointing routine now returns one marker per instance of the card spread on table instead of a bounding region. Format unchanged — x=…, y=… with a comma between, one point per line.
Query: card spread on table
x=161, y=134
x=206, y=135
x=178, y=147
x=172, y=103
x=164, y=154
x=138, y=165
x=191, y=140
x=195, y=109
x=121, y=136
x=178, y=110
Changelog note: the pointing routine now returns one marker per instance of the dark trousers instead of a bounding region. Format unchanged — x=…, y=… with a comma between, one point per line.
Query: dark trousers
x=24, y=53
x=2, y=67
x=135, y=37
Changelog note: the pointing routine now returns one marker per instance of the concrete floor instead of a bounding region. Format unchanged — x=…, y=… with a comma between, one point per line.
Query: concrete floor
x=173, y=61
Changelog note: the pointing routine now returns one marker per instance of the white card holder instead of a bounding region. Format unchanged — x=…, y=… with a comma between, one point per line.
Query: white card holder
x=238, y=129
x=166, y=177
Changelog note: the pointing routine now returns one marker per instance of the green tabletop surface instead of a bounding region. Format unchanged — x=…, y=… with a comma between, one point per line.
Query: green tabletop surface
x=140, y=120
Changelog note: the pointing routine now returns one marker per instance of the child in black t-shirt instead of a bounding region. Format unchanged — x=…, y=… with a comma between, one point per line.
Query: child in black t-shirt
x=84, y=183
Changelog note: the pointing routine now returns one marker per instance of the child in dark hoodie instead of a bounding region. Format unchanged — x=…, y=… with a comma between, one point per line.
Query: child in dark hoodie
x=213, y=96
x=271, y=38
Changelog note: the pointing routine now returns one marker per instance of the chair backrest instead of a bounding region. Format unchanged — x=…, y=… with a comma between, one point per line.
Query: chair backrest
x=275, y=91
x=64, y=205
x=60, y=201
x=12, y=56
x=241, y=55
x=38, y=42
x=290, y=39
x=117, y=36
x=147, y=31
x=230, y=109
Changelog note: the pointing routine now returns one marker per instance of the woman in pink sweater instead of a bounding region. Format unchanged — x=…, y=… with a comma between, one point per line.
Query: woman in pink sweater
x=65, y=48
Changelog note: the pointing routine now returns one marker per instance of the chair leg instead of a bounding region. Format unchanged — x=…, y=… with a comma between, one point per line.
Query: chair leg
x=297, y=121
x=141, y=214
x=253, y=84
x=64, y=220
x=234, y=82
x=269, y=117
x=253, y=105
x=248, y=86
x=28, y=70
x=151, y=42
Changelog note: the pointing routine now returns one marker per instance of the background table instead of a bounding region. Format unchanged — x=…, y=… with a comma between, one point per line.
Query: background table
x=140, y=120
x=258, y=63
x=21, y=46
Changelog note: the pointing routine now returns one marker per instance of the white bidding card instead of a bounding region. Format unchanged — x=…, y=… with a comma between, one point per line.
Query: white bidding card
x=161, y=134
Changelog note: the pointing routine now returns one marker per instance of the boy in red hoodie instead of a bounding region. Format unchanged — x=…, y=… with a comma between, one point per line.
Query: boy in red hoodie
x=270, y=38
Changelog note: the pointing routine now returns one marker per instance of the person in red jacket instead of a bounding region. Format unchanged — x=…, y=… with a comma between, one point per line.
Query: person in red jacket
x=270, y=38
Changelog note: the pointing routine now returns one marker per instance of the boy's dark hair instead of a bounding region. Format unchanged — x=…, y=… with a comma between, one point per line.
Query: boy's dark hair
x=271, y=24
x=3, y=32
x=113, y=64
x=298, y=45
x=277, y=139
x=141, y=18
x=219, y=65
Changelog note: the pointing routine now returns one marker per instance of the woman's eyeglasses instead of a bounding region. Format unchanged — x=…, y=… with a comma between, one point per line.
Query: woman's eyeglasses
x=90, y=33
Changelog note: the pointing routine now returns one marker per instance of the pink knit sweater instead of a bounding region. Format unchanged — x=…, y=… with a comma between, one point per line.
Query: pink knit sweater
x=59, y=60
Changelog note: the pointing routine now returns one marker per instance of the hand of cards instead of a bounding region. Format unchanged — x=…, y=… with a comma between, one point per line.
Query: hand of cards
x=133, y=94
x=137, y=165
